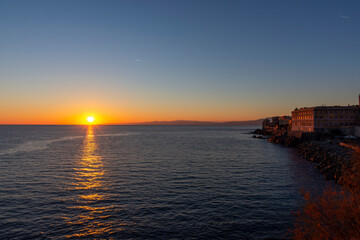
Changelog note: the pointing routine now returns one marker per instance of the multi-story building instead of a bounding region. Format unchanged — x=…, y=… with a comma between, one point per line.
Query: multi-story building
x=319, y=119
x=282, y=122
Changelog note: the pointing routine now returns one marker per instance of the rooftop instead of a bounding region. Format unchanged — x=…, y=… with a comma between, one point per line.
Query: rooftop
x=328, y=107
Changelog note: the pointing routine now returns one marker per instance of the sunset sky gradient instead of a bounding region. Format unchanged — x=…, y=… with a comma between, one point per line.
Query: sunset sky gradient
x=135, y=61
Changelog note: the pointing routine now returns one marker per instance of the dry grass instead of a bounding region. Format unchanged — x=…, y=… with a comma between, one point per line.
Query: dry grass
x=335, y=214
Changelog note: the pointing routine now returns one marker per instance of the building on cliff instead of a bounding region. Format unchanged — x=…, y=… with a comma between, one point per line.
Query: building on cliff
x=323, y=119
x=282, y=122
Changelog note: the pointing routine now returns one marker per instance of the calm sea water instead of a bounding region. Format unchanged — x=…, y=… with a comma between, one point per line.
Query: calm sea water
x=147, y=182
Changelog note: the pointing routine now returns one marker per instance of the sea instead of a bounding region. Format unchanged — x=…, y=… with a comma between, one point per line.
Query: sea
x=148, y=182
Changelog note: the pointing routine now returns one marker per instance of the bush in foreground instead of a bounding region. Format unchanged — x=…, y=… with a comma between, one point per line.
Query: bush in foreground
x=336, y=213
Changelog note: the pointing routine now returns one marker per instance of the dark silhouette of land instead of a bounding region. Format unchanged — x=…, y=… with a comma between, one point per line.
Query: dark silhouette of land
x=202, y=123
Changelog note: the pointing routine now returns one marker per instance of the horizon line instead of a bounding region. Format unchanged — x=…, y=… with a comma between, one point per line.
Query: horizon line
x=149, y=123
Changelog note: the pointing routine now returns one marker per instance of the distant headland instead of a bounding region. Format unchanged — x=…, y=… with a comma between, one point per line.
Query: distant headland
x=202, y=123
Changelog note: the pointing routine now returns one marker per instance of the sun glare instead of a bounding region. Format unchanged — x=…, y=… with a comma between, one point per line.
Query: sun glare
x=90, y=119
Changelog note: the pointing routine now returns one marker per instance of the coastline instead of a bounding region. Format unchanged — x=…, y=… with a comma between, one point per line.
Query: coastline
x=330, y=153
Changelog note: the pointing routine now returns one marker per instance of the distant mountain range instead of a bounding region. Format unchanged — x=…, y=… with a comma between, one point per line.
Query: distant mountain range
x=202, y=123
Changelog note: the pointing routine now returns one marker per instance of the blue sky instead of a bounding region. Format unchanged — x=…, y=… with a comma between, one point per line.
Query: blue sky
x=167, y=60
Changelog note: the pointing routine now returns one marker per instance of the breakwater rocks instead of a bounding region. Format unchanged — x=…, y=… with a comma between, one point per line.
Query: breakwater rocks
x=261, y=132
x=285, y=139
x=330, y=157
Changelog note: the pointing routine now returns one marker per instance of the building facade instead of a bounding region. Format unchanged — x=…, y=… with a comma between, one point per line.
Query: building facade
x=319, y=119
x=282, y=122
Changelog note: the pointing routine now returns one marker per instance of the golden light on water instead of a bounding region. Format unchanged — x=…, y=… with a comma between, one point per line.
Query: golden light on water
x=88, y=182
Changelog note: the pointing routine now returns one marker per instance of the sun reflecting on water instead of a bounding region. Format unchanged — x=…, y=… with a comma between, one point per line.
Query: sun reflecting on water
x=90, y=167
x=88, y=210
x=136, y=182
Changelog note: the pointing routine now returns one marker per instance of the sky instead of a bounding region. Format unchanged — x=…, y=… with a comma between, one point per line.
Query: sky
x=135, y=61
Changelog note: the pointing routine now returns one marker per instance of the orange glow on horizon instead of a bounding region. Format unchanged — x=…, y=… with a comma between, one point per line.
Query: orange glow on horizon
x=107, y=115
x=129, y=111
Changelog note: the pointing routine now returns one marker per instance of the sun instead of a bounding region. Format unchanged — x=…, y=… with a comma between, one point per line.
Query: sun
x=90, y=119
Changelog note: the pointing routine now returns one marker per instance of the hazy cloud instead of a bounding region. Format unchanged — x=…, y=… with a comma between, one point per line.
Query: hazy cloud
x=345, y=17
x=138, y=60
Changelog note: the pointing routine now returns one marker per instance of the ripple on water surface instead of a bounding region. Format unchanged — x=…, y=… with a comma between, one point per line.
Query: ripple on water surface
x=146, y=182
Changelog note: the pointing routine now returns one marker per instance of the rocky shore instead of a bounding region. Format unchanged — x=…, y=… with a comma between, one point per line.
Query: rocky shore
x=326, y=151
x=330, y=157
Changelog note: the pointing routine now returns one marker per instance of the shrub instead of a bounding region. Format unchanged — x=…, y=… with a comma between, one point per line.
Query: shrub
x=336, y=213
